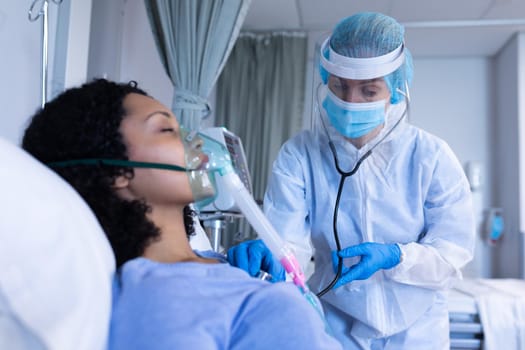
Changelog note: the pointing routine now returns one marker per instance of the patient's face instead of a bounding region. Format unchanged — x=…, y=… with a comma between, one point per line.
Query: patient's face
x=151, y=134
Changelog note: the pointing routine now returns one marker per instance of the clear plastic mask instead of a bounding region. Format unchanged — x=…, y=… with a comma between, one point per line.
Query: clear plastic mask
x=204, y=158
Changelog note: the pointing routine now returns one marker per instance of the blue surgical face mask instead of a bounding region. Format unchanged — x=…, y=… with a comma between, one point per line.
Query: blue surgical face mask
x=354, y=119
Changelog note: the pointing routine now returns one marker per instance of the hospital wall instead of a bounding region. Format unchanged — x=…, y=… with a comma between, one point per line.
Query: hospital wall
x=451, y=100
x=508, y=153
x=19, y=67
x=21, y=58
x=459, y=99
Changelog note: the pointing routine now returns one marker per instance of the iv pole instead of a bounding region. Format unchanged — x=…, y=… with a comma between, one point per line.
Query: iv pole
x=33, y=16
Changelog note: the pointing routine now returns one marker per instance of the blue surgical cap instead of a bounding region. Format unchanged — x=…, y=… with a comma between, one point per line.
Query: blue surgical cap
x=369, y=34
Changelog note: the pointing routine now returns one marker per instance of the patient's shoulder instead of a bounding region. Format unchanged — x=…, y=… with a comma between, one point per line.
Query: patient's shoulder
x=284, y=319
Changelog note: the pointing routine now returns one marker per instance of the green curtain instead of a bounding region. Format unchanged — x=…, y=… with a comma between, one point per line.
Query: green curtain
x=260, y=98
x=194, y=39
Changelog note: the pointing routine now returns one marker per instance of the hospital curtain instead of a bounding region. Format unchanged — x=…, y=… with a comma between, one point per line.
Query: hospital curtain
x=260, y=98
x=194, y=39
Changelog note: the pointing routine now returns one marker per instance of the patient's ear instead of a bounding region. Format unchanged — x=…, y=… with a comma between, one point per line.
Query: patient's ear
x=121, y=182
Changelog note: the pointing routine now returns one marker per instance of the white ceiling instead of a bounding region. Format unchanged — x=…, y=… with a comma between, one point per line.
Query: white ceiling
x=433, y=27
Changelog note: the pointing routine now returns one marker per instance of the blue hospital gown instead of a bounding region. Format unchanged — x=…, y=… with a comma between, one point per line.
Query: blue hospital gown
x=209, y=306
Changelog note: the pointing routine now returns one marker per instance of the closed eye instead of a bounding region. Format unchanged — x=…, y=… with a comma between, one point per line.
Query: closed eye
x=167, y=130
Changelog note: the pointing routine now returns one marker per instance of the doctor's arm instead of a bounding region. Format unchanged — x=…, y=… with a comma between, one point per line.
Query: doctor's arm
x=448, y=242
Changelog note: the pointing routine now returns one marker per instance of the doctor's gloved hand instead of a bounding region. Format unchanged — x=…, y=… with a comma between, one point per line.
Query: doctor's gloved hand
x=374, y=257
x=253, y=256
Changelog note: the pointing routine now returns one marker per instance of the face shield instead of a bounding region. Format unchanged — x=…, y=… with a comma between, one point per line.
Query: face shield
x=354, y=95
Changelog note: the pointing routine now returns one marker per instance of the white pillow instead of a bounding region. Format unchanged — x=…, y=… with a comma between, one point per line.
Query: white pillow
x=56, y=265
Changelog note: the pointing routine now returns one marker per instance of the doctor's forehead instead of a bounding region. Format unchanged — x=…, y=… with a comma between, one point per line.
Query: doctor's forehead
x=334, y=78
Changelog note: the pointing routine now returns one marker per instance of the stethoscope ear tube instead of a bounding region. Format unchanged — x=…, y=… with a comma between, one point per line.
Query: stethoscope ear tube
x=344, y=175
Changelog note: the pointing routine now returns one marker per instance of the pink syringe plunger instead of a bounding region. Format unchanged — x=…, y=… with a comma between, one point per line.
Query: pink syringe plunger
x=279, y=248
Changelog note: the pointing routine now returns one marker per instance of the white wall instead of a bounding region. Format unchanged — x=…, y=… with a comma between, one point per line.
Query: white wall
x=122, y=48
x=20, y=68
x=140, y=59
x=508, y=182
x=452, y=99
x=105, y=42
x=72, y=45
x=20, y=44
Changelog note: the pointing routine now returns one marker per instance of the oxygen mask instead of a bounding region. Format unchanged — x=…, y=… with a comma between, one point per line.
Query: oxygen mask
x=204, y=157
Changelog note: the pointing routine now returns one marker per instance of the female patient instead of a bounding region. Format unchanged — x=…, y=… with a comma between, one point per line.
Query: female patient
x=167, y=296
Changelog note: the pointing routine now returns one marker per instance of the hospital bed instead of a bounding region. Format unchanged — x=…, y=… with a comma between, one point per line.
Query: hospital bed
x=466, y=331
x=487, y=314
x=56, y=264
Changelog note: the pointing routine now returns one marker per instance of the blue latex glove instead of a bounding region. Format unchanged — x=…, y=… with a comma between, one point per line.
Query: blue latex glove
x=374, y=256
x=254, y=256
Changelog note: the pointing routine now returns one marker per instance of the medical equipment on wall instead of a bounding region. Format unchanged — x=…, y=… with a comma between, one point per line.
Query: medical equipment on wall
x=494, y=225
x=473, y=172
x=479, y=265
x=33, y=15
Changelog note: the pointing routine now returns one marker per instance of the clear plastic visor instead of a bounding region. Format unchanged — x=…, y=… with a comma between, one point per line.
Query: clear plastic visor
x=360, y=68
x=358, y=88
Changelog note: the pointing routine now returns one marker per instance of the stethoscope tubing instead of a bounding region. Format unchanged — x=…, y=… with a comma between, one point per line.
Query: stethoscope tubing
x=344, y=176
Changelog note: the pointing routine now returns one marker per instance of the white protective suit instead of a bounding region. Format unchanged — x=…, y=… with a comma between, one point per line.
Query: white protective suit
x=412, y=191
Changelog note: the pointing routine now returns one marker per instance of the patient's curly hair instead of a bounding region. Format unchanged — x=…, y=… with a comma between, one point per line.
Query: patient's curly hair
x=84, y=122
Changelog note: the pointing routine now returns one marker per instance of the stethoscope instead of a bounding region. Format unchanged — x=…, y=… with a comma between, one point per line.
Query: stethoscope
x=347, y=174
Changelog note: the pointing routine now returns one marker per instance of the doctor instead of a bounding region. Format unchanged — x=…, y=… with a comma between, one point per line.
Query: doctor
x=383, y=206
